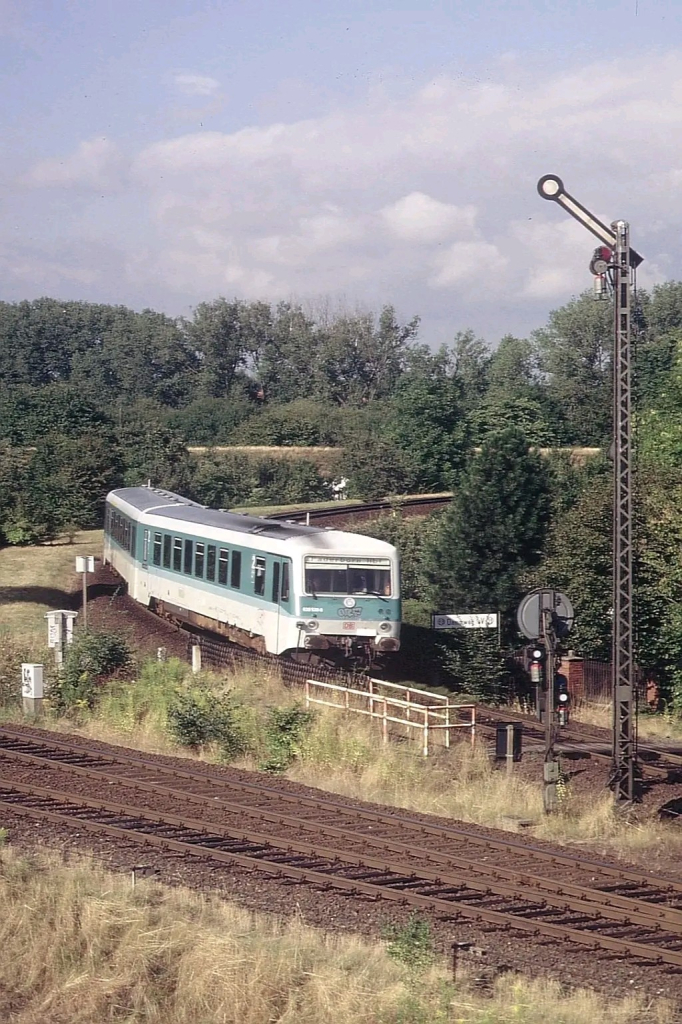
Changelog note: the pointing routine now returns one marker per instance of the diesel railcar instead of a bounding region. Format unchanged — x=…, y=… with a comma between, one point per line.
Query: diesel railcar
x=277, y=587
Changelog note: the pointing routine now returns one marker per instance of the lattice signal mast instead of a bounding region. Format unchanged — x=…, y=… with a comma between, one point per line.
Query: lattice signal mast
x=618, y=264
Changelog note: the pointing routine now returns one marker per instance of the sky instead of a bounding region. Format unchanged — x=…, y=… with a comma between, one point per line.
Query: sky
x=161, y=153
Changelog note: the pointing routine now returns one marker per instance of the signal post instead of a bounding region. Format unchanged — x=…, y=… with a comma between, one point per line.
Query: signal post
x=613, y=265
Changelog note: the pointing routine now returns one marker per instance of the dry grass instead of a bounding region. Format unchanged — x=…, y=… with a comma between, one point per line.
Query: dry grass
x=649, y=727
x=80, y=945
x=36, y=580
x=342, y=755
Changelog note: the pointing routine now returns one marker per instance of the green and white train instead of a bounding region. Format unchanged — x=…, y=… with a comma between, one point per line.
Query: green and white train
x=278, y=587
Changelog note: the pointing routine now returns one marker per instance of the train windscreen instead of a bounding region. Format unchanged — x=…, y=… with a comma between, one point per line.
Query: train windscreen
x=349, y=576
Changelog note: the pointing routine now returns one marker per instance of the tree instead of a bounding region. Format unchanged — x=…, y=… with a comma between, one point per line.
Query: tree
x=574, y=351
x=361, y=357
x=493, y=530
x=658, y=580
x=375, y=466
x=516, y=396
x=577, y=561
x=286, y=355
x=29, y=414
x=303, y=422
x=471, y=362
x=221, y=334
x=659, y=430
x=211, y=421
x=426, y=421
x=155, y=453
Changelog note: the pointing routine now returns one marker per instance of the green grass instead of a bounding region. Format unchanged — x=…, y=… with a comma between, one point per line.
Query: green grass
x=35, y=580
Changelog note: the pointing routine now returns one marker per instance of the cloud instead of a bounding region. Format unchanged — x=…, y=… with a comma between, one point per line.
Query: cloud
x=425, y=198
x=95, y=164
x=419, y=218
x=196, y=85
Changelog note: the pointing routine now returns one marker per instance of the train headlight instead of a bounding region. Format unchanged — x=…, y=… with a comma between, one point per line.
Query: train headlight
x=313, y=624
x=385, y=627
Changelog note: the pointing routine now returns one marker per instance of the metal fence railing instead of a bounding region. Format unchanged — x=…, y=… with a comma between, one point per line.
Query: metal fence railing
x=426, y=722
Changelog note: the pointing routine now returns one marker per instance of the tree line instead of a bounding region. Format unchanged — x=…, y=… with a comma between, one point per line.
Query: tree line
x=95, y=396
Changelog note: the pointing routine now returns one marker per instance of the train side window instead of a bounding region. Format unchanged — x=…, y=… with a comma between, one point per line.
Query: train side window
x=188, y=557
x=236, y=572
x=133, y=538
x=167, y=541
x=126, y=535
x=275, y=582
x=210, y=562
x=199, y=560
x=259, y=576
x=223, y=556
x=285, y=581
x=177, y=554
x=156, y=551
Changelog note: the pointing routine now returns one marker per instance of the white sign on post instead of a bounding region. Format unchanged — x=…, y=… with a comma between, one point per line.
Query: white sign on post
x=484, y=620
x=54, y=628
x=85, y=563
x=60, y=627
x=32, y=681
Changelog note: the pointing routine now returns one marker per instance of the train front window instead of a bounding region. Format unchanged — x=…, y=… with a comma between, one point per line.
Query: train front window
x=348, y=576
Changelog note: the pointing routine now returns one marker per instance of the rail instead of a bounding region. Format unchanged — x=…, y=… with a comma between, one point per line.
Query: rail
x=429, y=719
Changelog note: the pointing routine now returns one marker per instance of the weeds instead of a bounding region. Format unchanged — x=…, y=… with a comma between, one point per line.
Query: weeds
x=12, y=654
x=80, y=945
x=412, y=944
x=284, y=731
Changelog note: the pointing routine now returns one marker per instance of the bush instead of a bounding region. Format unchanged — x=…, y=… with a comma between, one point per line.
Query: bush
x=197, y=717
x=284, y=732
x=412, y=944
x=90, y=658
x=11, y=657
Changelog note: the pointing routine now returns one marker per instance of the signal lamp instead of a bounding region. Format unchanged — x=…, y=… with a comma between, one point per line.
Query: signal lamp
x=601, y=258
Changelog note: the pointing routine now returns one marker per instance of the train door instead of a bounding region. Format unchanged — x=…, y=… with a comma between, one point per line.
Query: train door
x=281, y=595
x=143, y=575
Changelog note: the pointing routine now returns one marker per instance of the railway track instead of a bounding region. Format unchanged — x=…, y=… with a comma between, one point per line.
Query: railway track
x=365, y=510
x=456, y=871
x=653, y=761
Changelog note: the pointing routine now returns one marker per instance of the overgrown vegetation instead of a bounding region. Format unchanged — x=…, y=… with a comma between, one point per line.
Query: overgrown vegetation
x=261, y=725
x=411, y=944
x=198, y=717
x=89, y=659
x=284, y=732
x=81, y=945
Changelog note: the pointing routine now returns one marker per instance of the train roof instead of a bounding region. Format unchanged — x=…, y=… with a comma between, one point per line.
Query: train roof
x=156, y=502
